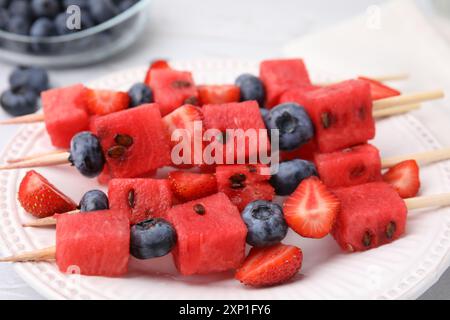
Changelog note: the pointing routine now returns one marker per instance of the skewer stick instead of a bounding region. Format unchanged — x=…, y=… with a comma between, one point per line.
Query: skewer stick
x=46, y=161
x=407, y=99
x=46, y=222
x=422, y=158
x=37, y=155
x=382, y=113
x=37, y=255
x=29, y=118
x=382, y=78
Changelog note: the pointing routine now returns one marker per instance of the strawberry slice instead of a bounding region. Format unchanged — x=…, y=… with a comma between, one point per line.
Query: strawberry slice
x=311, y=210
x=157, y=64
x=270, y=266
x=218, y=94
x=40, y=198
x=405, y=178
x=380, y=90
x=189, y=186
x=101, y=102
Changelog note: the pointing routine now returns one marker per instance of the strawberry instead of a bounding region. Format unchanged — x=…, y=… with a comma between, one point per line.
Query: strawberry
x=270, y=265
x=101, y=102
x=380, y=90
x=190, y=186
x=311, y=210
x=405, y=178
x=218, y=94
x=40, y=198
x=157, y=64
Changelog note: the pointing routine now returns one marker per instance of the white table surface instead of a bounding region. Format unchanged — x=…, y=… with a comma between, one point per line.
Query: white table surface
x=180, y=29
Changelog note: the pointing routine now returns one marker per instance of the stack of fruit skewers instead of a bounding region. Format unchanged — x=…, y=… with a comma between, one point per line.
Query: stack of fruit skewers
x=279, y=249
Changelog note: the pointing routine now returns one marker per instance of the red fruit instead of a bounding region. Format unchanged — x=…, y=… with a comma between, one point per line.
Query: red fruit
x=157, y=64
x=311, y=210
x=101, y=102
x=405, y=178
x=40, y=198
x=380, y=90
x=190, y=186
x=270, y=266
x=218, y=94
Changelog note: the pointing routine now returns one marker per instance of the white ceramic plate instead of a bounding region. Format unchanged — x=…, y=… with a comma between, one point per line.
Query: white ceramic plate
x=404, y=269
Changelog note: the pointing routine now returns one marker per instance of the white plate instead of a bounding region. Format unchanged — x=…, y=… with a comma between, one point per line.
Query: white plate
x=404, y=269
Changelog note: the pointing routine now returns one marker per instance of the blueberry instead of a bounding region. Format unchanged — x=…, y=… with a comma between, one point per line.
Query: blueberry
x=86, y=20
x=152, y=238
x=140, y=94
x=290, y=174
x=86, y=154
x=60, y=23
x=4, y=3
x=20, y=8
x=43, y=27
x=102, y=10
x=94, y=200
x=19, y=102
x=82, y=4
x=252, y=88
x=265, y=223
x=126, y=4
x=4, y=17
x=18, y=25
x=294, y=125
x=45, y=8
x=264, y=113
x=31, y=77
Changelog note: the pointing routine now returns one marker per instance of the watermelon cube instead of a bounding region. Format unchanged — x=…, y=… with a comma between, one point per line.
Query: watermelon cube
x=239, y=115
x=93, y=243
x=142, y=199
x=279, y=76
x=210, y=235
x=244, y=184
x=371, y=215
x=172, y=89
x=65, y=113
x=305, y=152
x=349, y=167
x=133, y=141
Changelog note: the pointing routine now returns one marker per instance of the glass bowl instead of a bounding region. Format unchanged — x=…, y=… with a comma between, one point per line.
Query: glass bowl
x=80, y=48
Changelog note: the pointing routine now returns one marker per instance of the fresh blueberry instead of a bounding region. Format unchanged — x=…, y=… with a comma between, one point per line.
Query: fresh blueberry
x=252, y=88
x=31, y=77
x=290, y=174
x=20, y=8
x=265, y=223
x=124, y=5
x=86, y=20
x=152, y=238
x=294, y=125
x=61, y=24
x=140, y=94
x=94, y=200
x=4, y=17
x=4, y=3
x=264, y=113
x=19, y=25
x=43, y=27
x=45, y=8
x=19, y=102
x=102, y=10
x=82, y=4
x=86, y=154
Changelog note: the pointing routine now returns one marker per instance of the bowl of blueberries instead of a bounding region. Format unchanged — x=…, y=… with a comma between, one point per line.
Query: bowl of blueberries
x=61, y=33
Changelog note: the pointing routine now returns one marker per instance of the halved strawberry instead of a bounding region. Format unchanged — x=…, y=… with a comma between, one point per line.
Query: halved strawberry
x=218, y=94
x=101, y=102
x=156, y=64
x=380, y=90
x=270, y=266
x=189, y=186
x=40, y=198
x=405, y=178
x=311, y=210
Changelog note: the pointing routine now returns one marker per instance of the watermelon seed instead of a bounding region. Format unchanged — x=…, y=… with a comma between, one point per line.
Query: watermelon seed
x=116, y=152
x=358, y=171
x=390, y=229
x=131, y=198
x=367, y=239
x=252, y=169
x=237, y=181
x=327, y=120
x=180, y=84
x=199, y=209
x=192, y=100
x=362, y=113
x=123, y=140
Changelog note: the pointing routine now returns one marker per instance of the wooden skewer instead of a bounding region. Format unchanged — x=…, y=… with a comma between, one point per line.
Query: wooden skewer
x=29, y=118
x=46, y=222
x=407, y=99
x=37, y=155
x=422, y=158
x=382, y=78
x=37, y=255
x=382, y=113
x=46, y=161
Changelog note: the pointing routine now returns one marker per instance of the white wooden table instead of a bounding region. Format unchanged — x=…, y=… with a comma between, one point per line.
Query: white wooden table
x=180, y=29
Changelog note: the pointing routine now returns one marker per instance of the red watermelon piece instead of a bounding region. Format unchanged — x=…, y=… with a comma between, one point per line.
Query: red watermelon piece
x=244, y=184
x=142, y=199
x=133, y=141
x=279, y=76
x=65, y=113
x=379, y=90
x=93, y=243
x=349, y=167
x=210, y=235
x=371, y=215
x=172, y=89
x=218, y=94
x=305, y=152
